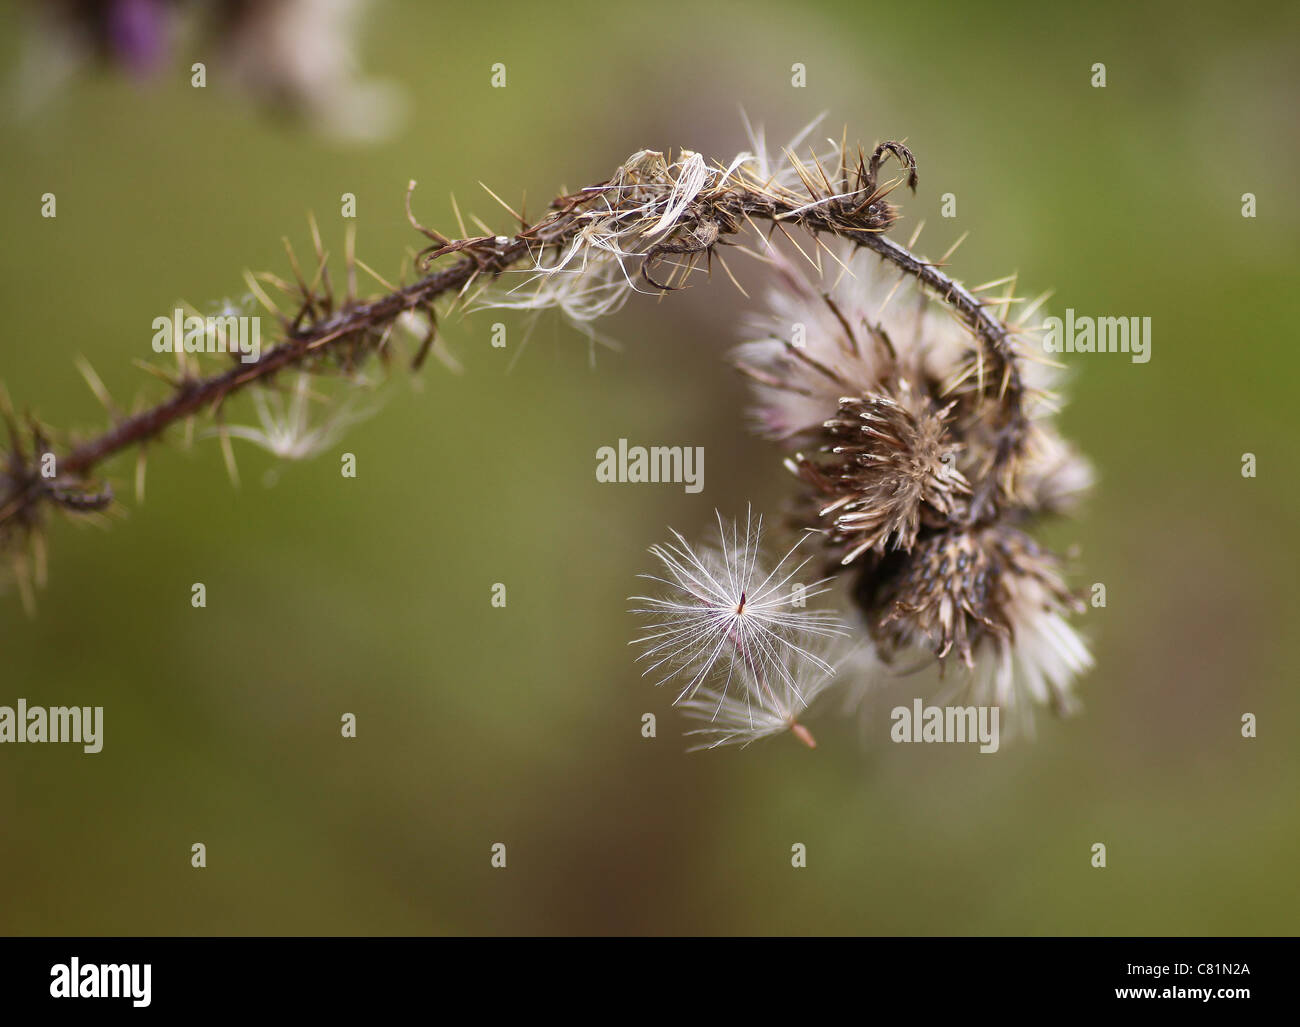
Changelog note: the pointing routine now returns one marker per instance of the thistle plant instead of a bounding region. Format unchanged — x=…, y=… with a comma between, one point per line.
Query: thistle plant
x=916, y=416
x=918, y=419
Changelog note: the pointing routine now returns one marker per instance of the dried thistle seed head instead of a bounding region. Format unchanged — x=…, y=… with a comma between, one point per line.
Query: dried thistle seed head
x=931, y=441
x=995, y=598
x=847, y=331
x=810, y=348
x=1038, y=662
x=887, y=465
x=854, y=324
x=940, y=596
x=960, y=587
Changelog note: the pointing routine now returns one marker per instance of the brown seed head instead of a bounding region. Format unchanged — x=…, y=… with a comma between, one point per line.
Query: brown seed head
x=888, y=466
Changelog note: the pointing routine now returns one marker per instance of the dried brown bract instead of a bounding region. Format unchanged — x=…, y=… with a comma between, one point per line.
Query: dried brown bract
x=887, y=465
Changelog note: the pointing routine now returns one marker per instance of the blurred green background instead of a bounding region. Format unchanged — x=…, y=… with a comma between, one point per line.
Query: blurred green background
x=480, y=725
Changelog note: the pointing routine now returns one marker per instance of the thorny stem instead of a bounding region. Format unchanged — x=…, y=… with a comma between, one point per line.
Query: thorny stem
x=861, y=216
x=192, y=395
x=197, y=393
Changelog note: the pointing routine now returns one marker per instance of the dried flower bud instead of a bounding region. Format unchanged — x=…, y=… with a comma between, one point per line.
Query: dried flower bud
x=920, y=467
x=992, y=595
x=888, y=464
